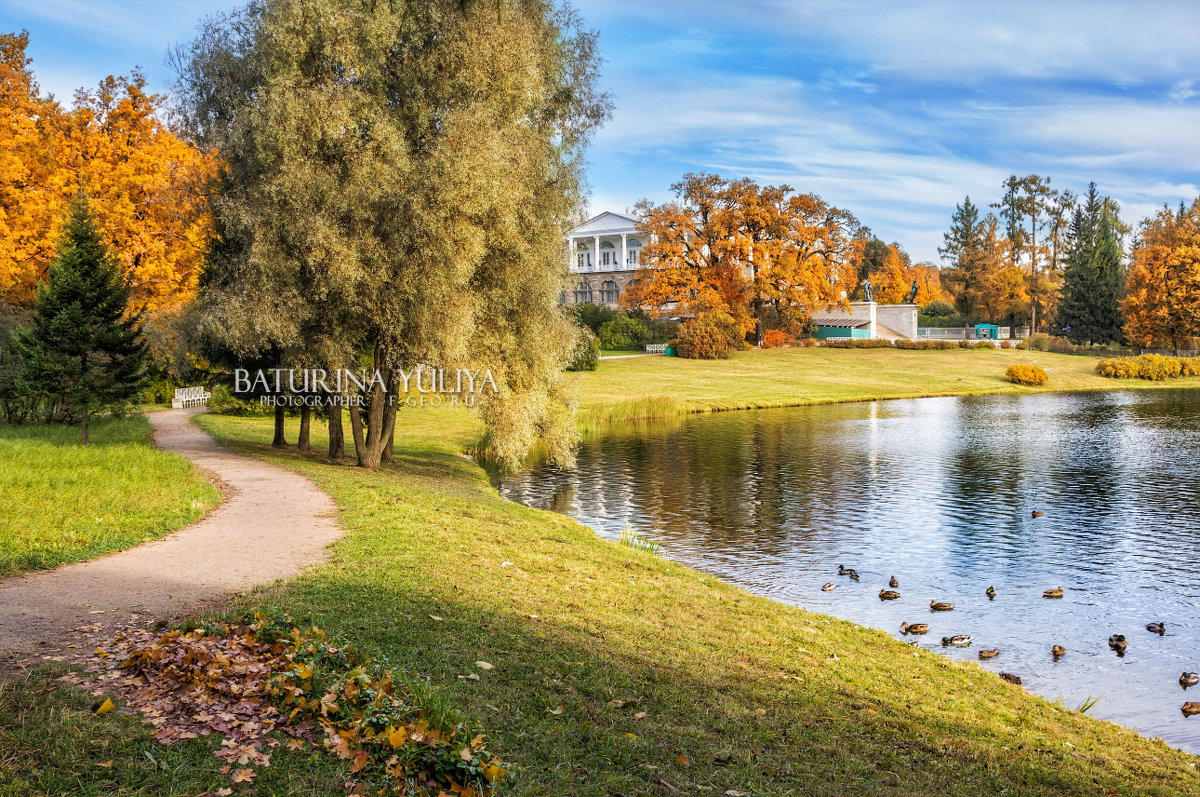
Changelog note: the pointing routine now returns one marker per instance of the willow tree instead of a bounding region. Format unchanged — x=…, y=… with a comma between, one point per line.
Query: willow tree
x=398, y=180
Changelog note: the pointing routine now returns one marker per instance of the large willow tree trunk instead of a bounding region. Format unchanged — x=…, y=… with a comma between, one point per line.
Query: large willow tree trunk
x=305, y=426
x=279, y=440
x=372, y=433
x=337, y=435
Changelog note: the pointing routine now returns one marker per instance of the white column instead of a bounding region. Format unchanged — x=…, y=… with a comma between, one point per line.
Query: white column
x=595, y=252
x=624, y=255
x=570, y=253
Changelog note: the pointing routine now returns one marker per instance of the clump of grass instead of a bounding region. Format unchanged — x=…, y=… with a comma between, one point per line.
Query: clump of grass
x=65, y=502
x=632, y=409
x=643, y=543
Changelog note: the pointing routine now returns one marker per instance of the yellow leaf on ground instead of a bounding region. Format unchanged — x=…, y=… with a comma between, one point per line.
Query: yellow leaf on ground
x=684, y=761
x=483, y=665
x=106, y=764
x=397, y=737
x=106, y=706
x=465, y=754
x=558, y=710
x=435, y=617
x=244, y=775
x=632, y=735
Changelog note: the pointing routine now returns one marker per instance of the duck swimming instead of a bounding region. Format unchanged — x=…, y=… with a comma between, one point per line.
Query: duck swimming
x=844, y=571
x=914, y=628
x=1036, y=514
x=829, y=586
x=991, y=593
x=958, y=640
x=893, y=583
x=888, y=595
x=1057, y=592
x=1189, y=709
x=989, y=653
x=1156, y=628
x=1189, y=679
x=1117, y=642
x=1058, y=650
x=939, y=606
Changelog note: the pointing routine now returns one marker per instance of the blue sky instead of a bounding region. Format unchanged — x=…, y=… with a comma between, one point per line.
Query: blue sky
x=891, y=112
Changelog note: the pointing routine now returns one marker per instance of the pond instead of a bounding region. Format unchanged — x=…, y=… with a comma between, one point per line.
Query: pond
x=940, y=493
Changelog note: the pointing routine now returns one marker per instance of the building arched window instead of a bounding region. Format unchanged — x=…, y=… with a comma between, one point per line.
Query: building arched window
x=583, y=294
x=609, y=292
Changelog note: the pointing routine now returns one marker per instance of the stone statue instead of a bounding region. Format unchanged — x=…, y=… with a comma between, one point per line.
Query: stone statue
x=912, y=294
x=868, y=292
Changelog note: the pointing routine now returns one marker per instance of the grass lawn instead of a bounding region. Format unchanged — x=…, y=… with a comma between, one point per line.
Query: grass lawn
x=615, y=673
x=662, y=386
x=64, y=502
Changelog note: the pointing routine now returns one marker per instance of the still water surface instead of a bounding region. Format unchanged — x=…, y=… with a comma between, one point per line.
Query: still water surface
x=939, y=492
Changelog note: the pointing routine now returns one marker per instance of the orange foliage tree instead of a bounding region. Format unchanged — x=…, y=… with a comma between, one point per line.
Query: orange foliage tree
x=893, y=281
x=1162, y=300
x=737, y=247
x=144, y=182
x=34, y=187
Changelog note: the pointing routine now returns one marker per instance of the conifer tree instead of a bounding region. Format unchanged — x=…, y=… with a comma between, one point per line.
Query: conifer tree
x=82, y=348
x=1090, y=311
x=966, y=249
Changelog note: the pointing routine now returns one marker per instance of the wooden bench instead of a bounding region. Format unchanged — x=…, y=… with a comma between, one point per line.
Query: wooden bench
x=190, y=397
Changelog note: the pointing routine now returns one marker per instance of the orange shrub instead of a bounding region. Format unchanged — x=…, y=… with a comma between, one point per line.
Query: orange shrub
x=1154, y=367
x=774, y=338
x=1026, y=375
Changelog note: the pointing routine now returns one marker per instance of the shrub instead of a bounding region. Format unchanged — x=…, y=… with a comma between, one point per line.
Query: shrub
x=224, y=402
x=983, y=344
x=809, y=342
x=586, y=353
x=1006, y=344
x=774, y=338
x=1038, y=342
x=1026, y=375
x=939, y=307
x=593, y=316
x=1060, y=345
x=1154, y=367
x=625, y=333
x=703, y=338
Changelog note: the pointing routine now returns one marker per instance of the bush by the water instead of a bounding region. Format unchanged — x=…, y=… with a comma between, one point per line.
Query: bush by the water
x=586, y=353
x=1154, y=367
x=627, y=333
x=709, y=336
x=1026, y=375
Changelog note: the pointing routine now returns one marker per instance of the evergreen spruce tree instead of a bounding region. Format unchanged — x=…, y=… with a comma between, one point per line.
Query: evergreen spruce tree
x=81, y=348
x=966, y=250
x=1090, y=311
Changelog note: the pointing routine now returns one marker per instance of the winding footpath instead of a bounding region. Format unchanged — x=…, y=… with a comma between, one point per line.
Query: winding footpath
x=271, y=523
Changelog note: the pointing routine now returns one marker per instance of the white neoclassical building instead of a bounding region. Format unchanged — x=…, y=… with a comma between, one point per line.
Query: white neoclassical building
x=604, y=255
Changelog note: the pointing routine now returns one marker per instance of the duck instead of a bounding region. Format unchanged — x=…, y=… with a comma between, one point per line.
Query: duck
x=1117, y=642
x=1189, y=679
x=1057, y=592
x=853, y=575
x=991, y=593
x=914, y=628
x=1012, y=679
x=1036, y=514
x=1190, y=708
x=888, y=595
x=1058, y=650
x=958, y=640
x=844, y=571
x=939, y=606
x=829, y=586
x=989, y=653
x=893, y=582
x=1156, y=628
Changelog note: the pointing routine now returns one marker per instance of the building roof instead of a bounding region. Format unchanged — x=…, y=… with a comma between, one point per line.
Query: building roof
x=841, y=322
x=606, y=222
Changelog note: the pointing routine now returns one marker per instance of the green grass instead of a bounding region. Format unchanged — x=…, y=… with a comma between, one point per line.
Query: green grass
x=760, y=698
x=64, y=502
x=623, y=390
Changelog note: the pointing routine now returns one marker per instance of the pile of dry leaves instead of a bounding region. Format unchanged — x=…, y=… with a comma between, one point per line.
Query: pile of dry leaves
x=262, y=681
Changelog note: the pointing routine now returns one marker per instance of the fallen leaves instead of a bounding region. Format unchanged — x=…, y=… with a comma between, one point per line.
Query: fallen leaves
x=106, y=706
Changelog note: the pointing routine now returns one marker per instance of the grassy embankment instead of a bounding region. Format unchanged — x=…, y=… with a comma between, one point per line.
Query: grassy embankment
x=64, y=502
x=641, y=387
x=437, y=572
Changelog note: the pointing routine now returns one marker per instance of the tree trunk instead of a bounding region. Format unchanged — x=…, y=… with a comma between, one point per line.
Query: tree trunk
x=279, y=438
x=85, y=423
x=305, y=420
x=389, y=446
x=371, y=437
x=337, y=435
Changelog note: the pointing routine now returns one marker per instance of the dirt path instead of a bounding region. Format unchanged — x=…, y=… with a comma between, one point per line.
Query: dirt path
x=271, y=523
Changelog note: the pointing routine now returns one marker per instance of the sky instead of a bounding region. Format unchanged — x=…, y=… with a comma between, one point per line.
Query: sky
x=894, y=111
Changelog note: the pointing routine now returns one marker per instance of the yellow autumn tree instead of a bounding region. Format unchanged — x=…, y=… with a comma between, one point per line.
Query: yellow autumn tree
x=34, y=183
x=144, y=182
x=146, y=186
x=1162, y=300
